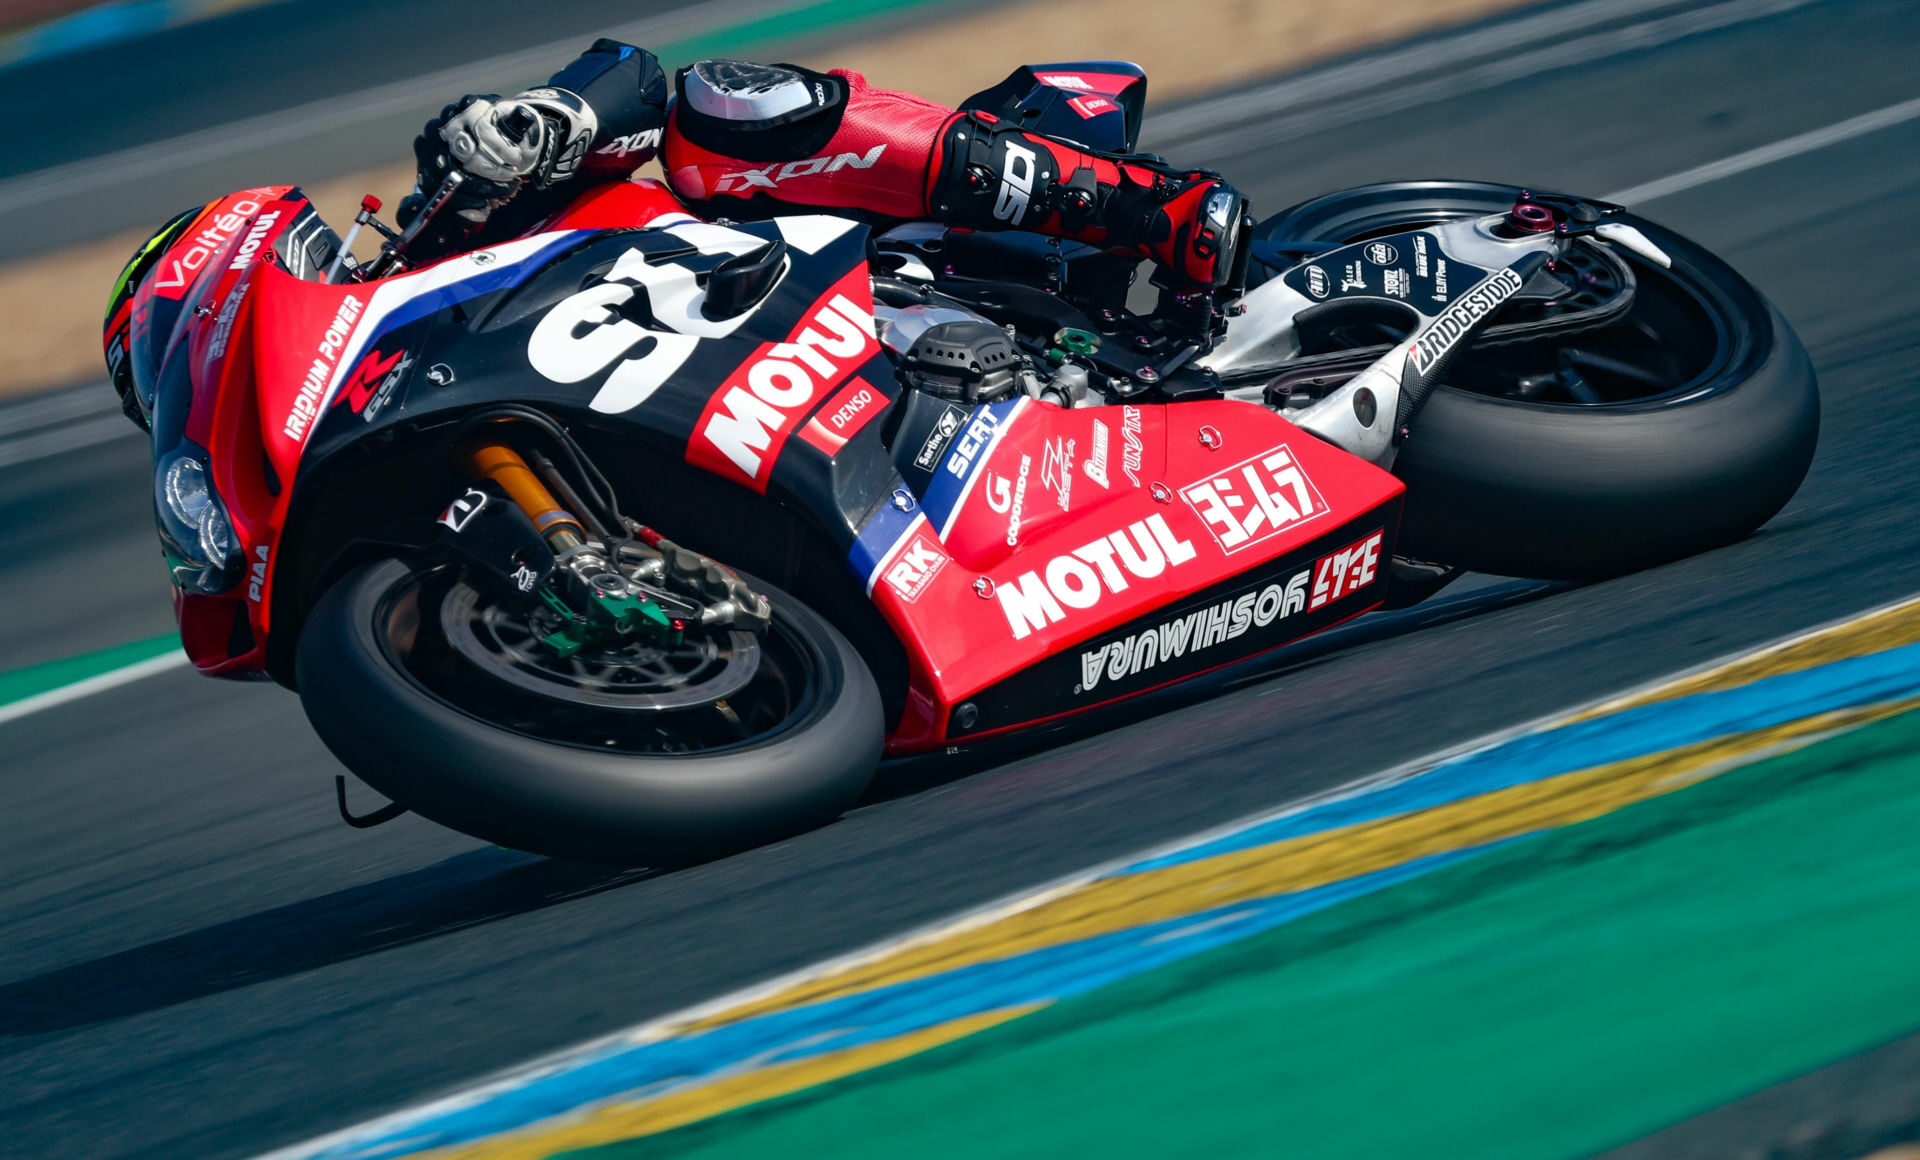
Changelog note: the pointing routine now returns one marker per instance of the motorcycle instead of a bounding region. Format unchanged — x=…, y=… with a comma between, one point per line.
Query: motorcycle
x=642, y=538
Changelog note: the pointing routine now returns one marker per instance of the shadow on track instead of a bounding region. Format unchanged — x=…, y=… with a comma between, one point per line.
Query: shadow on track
x=464, y=891
x=914, y=775
x=488, y=885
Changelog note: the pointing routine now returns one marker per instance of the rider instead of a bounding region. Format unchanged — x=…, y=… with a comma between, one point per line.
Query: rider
x=730, y=134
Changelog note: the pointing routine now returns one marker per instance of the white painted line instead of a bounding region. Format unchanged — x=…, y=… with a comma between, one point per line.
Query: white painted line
x=1392, y=97
x=504, y=72
x=60, y=440
x=96, y=684
x=1806, y=142
x=45, y=410
x=666, y=1026
x=1378, y=70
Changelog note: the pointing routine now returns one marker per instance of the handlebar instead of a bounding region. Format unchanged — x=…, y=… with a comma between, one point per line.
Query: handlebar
x=393, y=253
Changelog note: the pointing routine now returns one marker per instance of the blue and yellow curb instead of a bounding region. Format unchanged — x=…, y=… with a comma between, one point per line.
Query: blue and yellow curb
x=977, y=972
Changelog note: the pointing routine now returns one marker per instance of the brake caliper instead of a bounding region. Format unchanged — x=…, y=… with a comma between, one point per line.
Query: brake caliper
x=725, y=598
x=615, y=609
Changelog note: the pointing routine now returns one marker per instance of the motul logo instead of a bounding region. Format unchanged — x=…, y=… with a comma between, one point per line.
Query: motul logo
x=746, y=423
x=766, y=177
x=251, y=246
x=1082, y=578
x=1346, y=571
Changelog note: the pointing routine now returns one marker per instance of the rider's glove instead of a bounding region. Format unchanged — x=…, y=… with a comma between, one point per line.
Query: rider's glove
x=496, y=141
x=433, y=152
x=538, y=138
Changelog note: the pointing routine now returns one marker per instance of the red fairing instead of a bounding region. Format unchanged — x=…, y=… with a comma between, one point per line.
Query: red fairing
x=225, y=635
x=1079, y=521
x=876, y=162
x=620, y=205
x=746, y=423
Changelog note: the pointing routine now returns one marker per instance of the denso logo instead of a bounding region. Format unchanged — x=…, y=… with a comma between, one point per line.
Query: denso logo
x=915, y=567
x=1255, y=499
x=766, y=178
x=178, y=271
x=1197, y=630
x=1080, y=579
x=307, y=403
x=852, y=409
x=251, y=246
x=1346, y=571
x=747, y=420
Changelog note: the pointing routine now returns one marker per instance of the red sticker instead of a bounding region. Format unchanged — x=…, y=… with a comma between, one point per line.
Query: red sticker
x=856, y=405
x=1090, y=107
x=745, y=425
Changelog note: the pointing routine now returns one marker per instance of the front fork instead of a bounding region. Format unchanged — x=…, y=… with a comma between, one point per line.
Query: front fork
x=605, y=585
x=595, y=599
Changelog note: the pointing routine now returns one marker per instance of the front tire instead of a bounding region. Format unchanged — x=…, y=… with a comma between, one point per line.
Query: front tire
x=394, y=705
x=1592, y=487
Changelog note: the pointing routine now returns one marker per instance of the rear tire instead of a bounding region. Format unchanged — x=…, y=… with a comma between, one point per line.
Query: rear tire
x=565, y=798
x=1588, y=491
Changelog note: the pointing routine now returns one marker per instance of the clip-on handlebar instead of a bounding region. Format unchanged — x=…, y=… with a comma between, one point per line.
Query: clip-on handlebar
x=393, y=252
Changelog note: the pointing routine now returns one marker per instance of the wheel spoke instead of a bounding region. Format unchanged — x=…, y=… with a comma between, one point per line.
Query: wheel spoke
x=1591, y=360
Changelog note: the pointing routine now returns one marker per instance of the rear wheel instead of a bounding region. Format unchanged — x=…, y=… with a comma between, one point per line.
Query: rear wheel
x=1680, y=422
x=447, y=702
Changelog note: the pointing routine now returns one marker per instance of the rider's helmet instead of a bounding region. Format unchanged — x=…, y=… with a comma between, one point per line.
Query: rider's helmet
x=117, y=330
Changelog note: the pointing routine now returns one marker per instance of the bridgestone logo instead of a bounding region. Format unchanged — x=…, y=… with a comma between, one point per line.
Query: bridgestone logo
x=1439, y=337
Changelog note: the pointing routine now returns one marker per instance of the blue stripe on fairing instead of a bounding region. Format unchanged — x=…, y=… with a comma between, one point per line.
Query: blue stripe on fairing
x=945, y=490
x=1052, y=973
x=882, y=533
x=489, y=279
x=1655, y=728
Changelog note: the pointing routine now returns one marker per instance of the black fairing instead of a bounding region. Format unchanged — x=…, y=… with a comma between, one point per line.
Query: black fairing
x=474, y=352
x=365, y=484
x=1027, y=101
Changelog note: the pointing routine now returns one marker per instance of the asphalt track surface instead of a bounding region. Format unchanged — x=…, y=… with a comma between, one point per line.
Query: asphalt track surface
x=198, y=959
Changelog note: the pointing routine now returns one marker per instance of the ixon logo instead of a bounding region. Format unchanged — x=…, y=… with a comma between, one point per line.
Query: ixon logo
x=770, y=176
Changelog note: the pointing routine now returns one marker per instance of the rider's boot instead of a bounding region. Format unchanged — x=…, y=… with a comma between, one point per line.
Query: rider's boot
x=743, y=134
x=991, y=175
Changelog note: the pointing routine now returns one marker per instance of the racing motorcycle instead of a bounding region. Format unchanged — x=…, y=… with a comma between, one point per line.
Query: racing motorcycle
x=642, y=538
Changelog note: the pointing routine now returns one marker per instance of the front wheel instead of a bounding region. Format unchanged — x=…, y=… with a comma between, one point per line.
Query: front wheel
x=448, y=703
x=1568, y=451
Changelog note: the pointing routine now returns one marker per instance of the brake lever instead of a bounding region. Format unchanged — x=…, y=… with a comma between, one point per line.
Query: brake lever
x=393, y=252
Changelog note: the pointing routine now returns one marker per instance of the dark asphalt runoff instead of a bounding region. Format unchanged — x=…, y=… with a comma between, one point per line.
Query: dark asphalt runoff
x=198, y=960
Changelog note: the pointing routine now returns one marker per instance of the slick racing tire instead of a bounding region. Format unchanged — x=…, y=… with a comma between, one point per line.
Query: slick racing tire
x=414, y=718
x=1682, y=426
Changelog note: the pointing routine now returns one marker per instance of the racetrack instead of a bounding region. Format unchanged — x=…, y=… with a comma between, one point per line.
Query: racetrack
x=198, y=959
